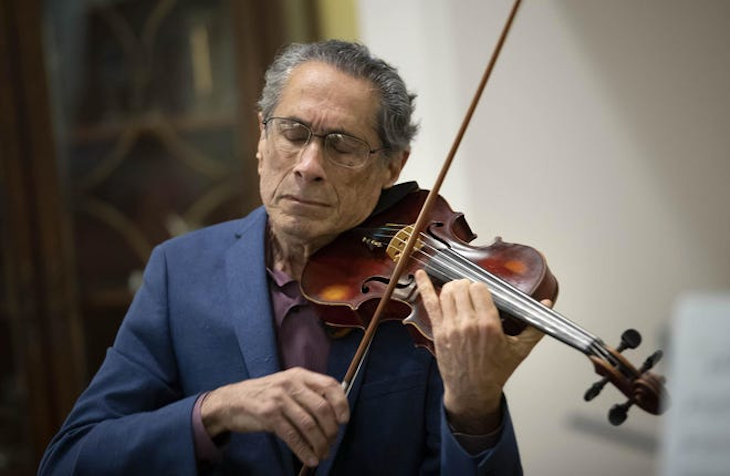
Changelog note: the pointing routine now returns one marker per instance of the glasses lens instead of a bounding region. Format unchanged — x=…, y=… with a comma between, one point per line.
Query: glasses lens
x=289, y=136
x=347, y=151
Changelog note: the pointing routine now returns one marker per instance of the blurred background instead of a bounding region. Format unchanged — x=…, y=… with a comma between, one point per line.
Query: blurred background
x=602, y=140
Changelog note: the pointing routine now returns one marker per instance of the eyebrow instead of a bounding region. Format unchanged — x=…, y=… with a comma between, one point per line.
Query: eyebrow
x=330, y=131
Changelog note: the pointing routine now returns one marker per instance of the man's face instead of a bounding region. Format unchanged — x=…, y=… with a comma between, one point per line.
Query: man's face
x=309, y=199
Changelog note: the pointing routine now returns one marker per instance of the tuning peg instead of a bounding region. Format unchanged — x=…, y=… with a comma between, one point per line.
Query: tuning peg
x=630, y=339
x=651, y=361
x=595, y=389
x=618, y=413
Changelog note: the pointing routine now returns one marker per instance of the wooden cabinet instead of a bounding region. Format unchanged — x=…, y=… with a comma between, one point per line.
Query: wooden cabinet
x=123, y=123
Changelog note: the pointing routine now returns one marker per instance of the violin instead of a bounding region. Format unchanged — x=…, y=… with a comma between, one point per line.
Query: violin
x=347, y=279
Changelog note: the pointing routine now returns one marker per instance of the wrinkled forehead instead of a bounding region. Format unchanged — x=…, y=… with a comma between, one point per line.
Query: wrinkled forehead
x=317, y=91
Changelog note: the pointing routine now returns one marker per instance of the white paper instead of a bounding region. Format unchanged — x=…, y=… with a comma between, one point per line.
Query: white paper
x=696, y=433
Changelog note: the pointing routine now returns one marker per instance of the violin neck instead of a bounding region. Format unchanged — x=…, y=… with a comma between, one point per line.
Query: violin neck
x=517, y=303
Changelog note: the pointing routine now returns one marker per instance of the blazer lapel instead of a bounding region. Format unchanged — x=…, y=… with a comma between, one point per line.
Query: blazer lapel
x=248, y=289
x=250, y=301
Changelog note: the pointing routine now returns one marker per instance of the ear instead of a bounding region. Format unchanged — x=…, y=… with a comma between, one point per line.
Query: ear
x=394, y=167
x=262, y=141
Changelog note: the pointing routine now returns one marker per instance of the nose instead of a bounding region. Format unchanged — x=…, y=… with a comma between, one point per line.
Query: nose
x=310, y=165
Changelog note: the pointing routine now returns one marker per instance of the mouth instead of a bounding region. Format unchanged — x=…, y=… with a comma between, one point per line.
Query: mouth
x=304, y=201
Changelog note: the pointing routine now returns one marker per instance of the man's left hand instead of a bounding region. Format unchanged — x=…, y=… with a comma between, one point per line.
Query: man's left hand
x=475, y=357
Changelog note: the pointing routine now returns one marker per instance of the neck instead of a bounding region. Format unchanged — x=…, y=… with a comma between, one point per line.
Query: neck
x=289, y=254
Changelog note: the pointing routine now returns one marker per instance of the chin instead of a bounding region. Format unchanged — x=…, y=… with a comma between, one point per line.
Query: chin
x=303, y=229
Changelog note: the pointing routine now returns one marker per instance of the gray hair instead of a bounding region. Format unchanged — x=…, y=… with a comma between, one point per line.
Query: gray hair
x=394, y=126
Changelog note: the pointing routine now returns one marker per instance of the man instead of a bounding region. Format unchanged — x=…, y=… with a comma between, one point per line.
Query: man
x=221, y=366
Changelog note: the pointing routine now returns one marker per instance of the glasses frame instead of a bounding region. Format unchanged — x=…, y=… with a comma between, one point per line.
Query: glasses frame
x=324, y=140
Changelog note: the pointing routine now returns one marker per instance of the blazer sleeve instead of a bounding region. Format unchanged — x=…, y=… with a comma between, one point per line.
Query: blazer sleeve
x=133, y=417
x=445, y=455
x=502, y=459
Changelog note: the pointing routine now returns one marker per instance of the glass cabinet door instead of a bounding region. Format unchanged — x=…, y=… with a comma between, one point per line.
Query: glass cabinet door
x=156, y=129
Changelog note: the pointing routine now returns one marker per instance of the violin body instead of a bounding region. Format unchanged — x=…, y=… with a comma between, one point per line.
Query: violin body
x=346, y=279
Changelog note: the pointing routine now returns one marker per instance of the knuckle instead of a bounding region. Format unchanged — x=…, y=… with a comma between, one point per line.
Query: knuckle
x=307, y=424
x=282, y=428
x=462, y=283
x=268, y=409
x=490, y=327
x=322, y=408
x=291, y=374
x=276, y=396
x=328, y=381
x=478, y=286
x=445, y=336
x=291, y=436
x=448, y=287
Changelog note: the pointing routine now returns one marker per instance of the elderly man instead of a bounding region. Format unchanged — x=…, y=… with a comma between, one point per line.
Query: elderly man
x=222, y=366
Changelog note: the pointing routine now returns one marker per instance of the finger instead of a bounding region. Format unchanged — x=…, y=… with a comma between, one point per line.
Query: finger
x=318, y=407
x=547, y=303
x=337, y=400
x=484, y=304
x=429, y=298
x=307, y=428
x=332, y=392
x=285, y=430
x=456, y=300
x=452, y=299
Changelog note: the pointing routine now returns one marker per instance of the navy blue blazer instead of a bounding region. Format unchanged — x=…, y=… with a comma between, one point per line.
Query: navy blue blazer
x=202, y=319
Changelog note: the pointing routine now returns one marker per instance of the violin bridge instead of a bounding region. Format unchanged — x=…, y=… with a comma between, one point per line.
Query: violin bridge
x=398, y=243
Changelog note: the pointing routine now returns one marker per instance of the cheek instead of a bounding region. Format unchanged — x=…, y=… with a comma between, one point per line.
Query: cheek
x=359, y=196
x=269, y=178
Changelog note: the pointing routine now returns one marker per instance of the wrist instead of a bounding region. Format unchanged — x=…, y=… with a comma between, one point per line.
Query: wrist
x=474, y=417
x=211, y=411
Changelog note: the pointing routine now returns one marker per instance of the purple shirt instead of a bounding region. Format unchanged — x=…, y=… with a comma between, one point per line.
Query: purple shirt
x=300, y=334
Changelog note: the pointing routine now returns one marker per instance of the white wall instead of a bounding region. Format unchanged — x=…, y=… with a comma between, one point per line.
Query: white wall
x=602, y=140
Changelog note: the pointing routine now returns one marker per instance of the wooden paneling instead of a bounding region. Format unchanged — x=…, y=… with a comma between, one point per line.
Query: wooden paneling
x=121, y=124
x=40, y=313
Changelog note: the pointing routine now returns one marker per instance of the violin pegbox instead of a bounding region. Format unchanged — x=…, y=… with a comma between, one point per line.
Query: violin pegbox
x=641, y=387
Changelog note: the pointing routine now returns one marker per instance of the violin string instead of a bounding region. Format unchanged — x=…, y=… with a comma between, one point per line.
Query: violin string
x=522, y=305
x=516, y=303
x=453, y=265
x=586, y=342
x=460, y=267
x=450, y=268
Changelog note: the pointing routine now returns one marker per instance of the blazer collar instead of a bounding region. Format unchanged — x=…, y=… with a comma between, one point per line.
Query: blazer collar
x=250, y=299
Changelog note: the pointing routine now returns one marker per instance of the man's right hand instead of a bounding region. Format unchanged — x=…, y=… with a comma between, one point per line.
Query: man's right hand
x=301, y=407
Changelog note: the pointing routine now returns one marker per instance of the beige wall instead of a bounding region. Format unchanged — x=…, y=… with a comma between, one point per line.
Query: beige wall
x=603, y=140
x=337, y=19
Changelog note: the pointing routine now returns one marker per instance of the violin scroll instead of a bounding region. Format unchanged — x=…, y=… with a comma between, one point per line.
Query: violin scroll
x=642, y=388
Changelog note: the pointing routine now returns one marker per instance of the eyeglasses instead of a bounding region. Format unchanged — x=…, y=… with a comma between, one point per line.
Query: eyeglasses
x=290, y=137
